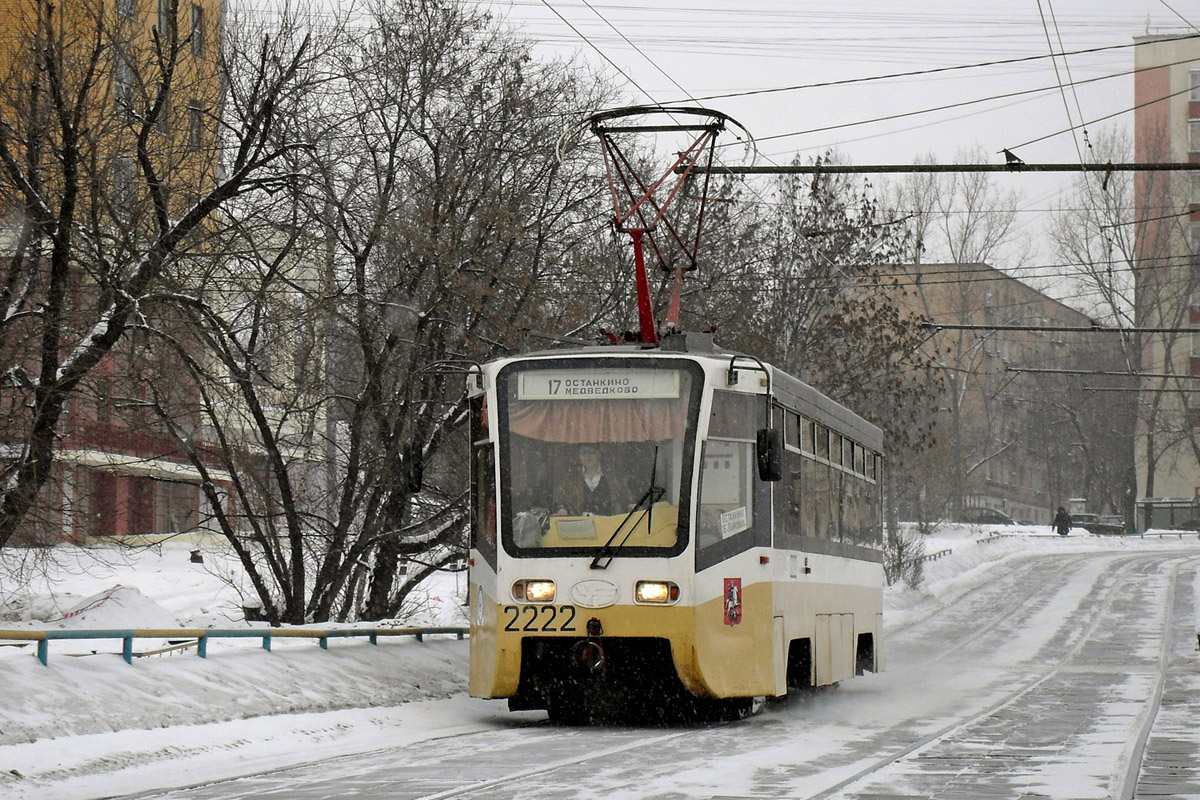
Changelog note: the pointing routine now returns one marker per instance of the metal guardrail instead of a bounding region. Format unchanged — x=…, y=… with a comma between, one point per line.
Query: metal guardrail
x=201, y=636
x=934, y=556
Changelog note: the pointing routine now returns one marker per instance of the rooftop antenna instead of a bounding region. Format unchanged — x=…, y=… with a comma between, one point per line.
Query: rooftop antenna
x=640, y=205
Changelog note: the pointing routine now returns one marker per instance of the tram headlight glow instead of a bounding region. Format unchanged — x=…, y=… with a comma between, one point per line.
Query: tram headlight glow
x=656, y=592
x=534, y=591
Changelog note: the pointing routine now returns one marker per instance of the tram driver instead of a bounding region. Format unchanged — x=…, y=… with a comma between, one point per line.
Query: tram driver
x=588, y=490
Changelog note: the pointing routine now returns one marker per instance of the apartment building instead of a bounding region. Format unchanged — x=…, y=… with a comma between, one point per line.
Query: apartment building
x=1018, y=427
x=1167, y=220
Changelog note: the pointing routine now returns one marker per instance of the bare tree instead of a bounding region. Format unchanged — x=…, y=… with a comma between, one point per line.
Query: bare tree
x=427, y=216
x=904, y=557
x=964, y=220
x=960, y=217
x=108, y=199
x=809, y=283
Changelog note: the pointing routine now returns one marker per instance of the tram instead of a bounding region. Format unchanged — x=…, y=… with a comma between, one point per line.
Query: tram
x=737, y=553
x=660, y=525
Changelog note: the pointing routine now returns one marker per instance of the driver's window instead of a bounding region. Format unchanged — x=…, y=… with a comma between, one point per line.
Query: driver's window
x=727, y=503
x=483, y=482
x=726, y=491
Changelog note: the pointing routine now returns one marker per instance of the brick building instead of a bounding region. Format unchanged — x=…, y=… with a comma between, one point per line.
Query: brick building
x=117, y=472
x=1167, y=216
x=1016, y=430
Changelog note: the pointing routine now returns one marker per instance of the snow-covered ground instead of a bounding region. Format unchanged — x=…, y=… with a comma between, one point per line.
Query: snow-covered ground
x=90, y=725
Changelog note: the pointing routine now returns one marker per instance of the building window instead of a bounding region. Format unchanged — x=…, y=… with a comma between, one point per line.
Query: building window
x=164, y=112
x=1194, y=135
x=122, y=184
x=166, y=19
x=175, y=507
x=1194, y=85
x=127, y=8
x=197, y=29
x=123, y=83
x=195, y=126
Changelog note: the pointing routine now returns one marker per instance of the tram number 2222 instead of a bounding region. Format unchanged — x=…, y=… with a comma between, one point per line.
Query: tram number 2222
x=540, y=618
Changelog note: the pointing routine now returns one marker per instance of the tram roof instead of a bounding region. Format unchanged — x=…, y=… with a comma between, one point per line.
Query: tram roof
x=787, y=389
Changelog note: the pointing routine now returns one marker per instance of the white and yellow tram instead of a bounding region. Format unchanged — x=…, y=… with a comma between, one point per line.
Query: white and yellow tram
x=734, y=552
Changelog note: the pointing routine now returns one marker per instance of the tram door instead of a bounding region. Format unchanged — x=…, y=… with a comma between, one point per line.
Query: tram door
x=735, y=624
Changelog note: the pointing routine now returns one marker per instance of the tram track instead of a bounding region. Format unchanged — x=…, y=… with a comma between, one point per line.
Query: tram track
x=1168, y=759
x=1133, y=770
x=997, y=617
x=860, y=780
x=1004, y=615
x=1009, y=615
x=1106, y=616
x=489, y=785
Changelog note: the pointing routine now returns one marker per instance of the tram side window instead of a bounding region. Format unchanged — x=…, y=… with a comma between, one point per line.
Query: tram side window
x=735, y=415
x=788, y=493
x=815, y=498
x=873, y=532
x=852, y=501
x=837, y=508
x=792, y=489
x=732, y=500
x=791, y=429
x=875, y=498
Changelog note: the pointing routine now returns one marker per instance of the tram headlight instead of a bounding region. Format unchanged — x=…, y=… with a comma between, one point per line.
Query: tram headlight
x=534, y=591
x=656, y=592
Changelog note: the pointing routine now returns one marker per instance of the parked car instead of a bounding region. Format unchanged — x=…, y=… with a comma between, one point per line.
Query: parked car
x=1098, y=525
x=1187, y=525
x=985, y=516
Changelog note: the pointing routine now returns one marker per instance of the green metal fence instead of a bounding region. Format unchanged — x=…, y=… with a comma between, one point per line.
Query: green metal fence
x=199, y=637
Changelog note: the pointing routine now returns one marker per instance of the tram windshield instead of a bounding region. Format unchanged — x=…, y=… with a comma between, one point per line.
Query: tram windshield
x=597, y=453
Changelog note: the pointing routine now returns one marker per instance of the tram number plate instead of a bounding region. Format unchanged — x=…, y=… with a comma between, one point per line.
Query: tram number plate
x=540, y=618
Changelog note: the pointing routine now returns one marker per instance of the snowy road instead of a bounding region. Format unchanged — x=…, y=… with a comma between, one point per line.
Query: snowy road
x=1044, y=681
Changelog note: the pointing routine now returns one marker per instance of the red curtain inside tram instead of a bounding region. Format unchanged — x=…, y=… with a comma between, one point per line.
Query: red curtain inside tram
x=599, y=420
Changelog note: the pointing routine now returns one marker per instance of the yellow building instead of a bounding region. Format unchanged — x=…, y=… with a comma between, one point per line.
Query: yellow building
x=136, y=70
x=132, y=89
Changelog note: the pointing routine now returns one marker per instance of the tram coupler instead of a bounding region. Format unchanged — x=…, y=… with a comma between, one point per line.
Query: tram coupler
x=589, y=653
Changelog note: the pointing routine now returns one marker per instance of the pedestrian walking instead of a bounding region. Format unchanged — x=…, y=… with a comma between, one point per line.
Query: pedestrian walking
x=1062, y=522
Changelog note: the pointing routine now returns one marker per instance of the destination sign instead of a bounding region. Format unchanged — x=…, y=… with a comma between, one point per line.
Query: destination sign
x=598, y=384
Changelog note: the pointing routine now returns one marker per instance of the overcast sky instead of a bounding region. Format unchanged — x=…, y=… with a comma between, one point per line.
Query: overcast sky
x=704, y=48
x=741, y=57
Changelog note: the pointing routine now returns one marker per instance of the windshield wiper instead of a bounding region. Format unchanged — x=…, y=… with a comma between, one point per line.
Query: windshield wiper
x=649, y=498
